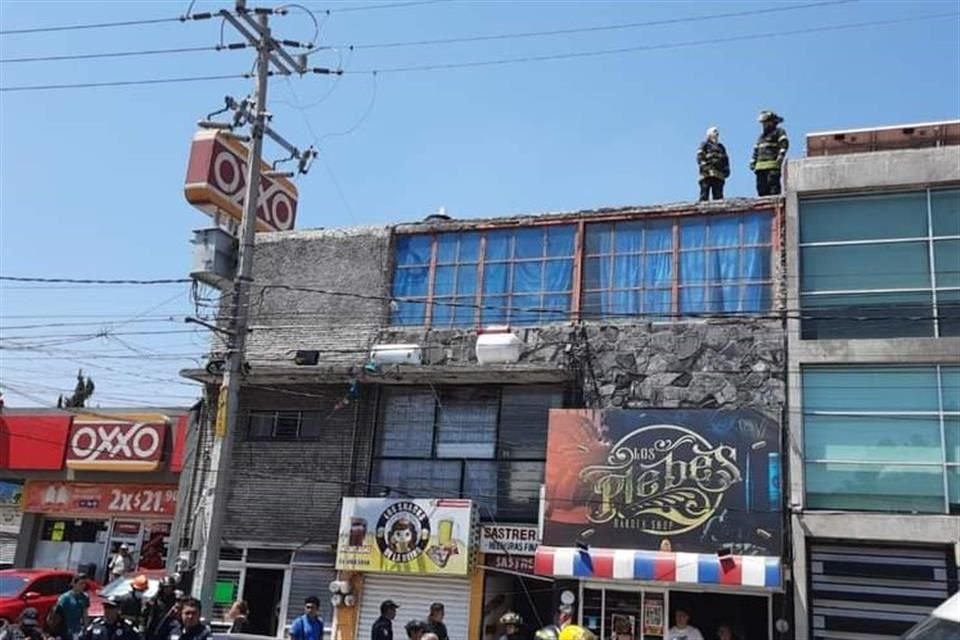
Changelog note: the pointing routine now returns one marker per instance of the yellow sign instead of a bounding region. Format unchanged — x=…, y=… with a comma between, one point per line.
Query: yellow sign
x=387, y=535
x=221, y=426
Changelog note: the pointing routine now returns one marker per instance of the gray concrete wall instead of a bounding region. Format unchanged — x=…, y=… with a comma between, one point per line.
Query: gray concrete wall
x=288, y=310
x=877, y=171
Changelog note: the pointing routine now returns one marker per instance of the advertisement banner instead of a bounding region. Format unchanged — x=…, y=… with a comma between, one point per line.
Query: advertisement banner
x=79, y=498
x=387, y=535
x=116, y=446
x=513, y=539
x=695, y=480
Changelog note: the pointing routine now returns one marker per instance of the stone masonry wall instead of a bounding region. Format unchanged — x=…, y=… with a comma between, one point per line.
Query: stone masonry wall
x=715, y=364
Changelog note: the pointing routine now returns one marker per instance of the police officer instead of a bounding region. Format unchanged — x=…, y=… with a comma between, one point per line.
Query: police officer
x=28, y=627
x=769, y=154
x=160, y=612
x=190, y=626
x=714, y=165
x=415, y=629
x=111, y=626
x=383, y=628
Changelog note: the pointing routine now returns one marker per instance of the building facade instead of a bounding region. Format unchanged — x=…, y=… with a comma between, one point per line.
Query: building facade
x=873, y=249
x=398, y=374
x=82, y=483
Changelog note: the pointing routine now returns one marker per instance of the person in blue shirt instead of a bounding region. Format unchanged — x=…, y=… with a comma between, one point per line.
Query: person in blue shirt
x=309, y=626
x=73, y=606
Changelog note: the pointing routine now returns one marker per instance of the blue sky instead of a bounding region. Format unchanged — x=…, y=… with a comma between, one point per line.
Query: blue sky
x=91, y=180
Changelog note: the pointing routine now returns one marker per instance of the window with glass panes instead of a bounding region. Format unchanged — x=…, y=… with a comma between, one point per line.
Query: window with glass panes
x=519, y=276
x=688, y=265
x=880, y=266
x=882, y=438
x=483, y=443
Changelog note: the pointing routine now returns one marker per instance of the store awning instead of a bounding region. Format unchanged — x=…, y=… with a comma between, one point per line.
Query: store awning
x=659, y=566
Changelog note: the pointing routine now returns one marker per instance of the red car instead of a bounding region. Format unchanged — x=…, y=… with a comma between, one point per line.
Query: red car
x=37, y=588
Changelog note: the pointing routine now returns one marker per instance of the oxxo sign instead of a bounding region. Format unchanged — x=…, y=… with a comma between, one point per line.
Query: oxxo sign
x=216, y=183
x=120, y=446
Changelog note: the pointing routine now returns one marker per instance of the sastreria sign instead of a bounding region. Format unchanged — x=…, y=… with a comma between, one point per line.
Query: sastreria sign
x=664, y=480
x=116, y=446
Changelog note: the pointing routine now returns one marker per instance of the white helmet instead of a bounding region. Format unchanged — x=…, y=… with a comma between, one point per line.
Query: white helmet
x=713, y=132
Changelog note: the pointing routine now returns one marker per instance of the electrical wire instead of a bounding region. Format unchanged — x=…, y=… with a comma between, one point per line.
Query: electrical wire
x=506, y=61
x=593, y=29
x=388, y=5
x=95, y=25
x=656, y=47
x=125, y=54
x=123, y=83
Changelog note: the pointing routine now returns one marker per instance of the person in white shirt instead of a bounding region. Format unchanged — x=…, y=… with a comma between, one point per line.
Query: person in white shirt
x=683, y=630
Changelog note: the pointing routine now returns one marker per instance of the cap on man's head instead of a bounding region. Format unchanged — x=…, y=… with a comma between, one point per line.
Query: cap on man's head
x=28, y=617
x=436, y=606
x=387, y=605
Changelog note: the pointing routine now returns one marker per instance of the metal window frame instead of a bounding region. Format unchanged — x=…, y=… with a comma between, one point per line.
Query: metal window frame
x=676, y=251
x=940, y=414
x=930, y=240
x=432, y=458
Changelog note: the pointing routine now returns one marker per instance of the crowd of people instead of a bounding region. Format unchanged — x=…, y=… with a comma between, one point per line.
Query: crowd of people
x=168, y=615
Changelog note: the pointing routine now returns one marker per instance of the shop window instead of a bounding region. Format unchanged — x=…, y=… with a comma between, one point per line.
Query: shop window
x=881, y=266
x=484, y=443
x=686, y=266
x=456, y=279
x=882, y=438
x=268, y=556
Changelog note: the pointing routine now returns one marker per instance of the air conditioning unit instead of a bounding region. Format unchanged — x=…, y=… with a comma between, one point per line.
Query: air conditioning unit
x=396, y=354
x=214, y=257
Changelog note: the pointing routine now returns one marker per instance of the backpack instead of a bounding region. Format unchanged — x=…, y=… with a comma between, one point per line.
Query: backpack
x=53, y=623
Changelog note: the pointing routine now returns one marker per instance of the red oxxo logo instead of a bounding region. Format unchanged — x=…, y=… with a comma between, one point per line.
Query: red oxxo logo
x=116, y=446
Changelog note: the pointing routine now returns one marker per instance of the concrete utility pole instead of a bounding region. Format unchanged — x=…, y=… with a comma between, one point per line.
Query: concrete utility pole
x=214, y=501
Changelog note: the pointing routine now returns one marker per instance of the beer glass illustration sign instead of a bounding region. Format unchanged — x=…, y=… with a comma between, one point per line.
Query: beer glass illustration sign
x=406, y=536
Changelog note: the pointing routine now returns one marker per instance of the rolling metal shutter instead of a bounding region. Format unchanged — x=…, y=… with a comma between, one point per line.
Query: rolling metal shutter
x=311, y=581
x=414, y=594
x=871, y=593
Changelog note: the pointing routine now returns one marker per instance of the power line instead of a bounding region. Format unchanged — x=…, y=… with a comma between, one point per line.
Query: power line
x=574, y=30
x=188, y=17
x=657, y=47
x=126, y=54
x=95, y=281
x=95, y=25
x=122, y=83
x=388, y=5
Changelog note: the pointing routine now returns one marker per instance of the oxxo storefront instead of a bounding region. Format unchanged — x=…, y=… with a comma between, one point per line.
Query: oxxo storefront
x=414, y=552
x=649, y=511
x=94, y=482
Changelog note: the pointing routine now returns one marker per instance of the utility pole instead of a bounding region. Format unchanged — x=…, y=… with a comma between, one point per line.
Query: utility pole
x=217, y=483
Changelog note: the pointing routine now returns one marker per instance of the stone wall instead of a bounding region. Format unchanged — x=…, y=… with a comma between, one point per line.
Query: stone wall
x=713, y=364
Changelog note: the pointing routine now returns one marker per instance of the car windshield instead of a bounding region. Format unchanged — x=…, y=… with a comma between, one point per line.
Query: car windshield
x=934, y=629
x=11, y=585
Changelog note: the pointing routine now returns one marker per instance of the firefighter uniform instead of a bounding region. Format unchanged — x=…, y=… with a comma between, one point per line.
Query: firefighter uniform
x=769, y=154
x=714, y=165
